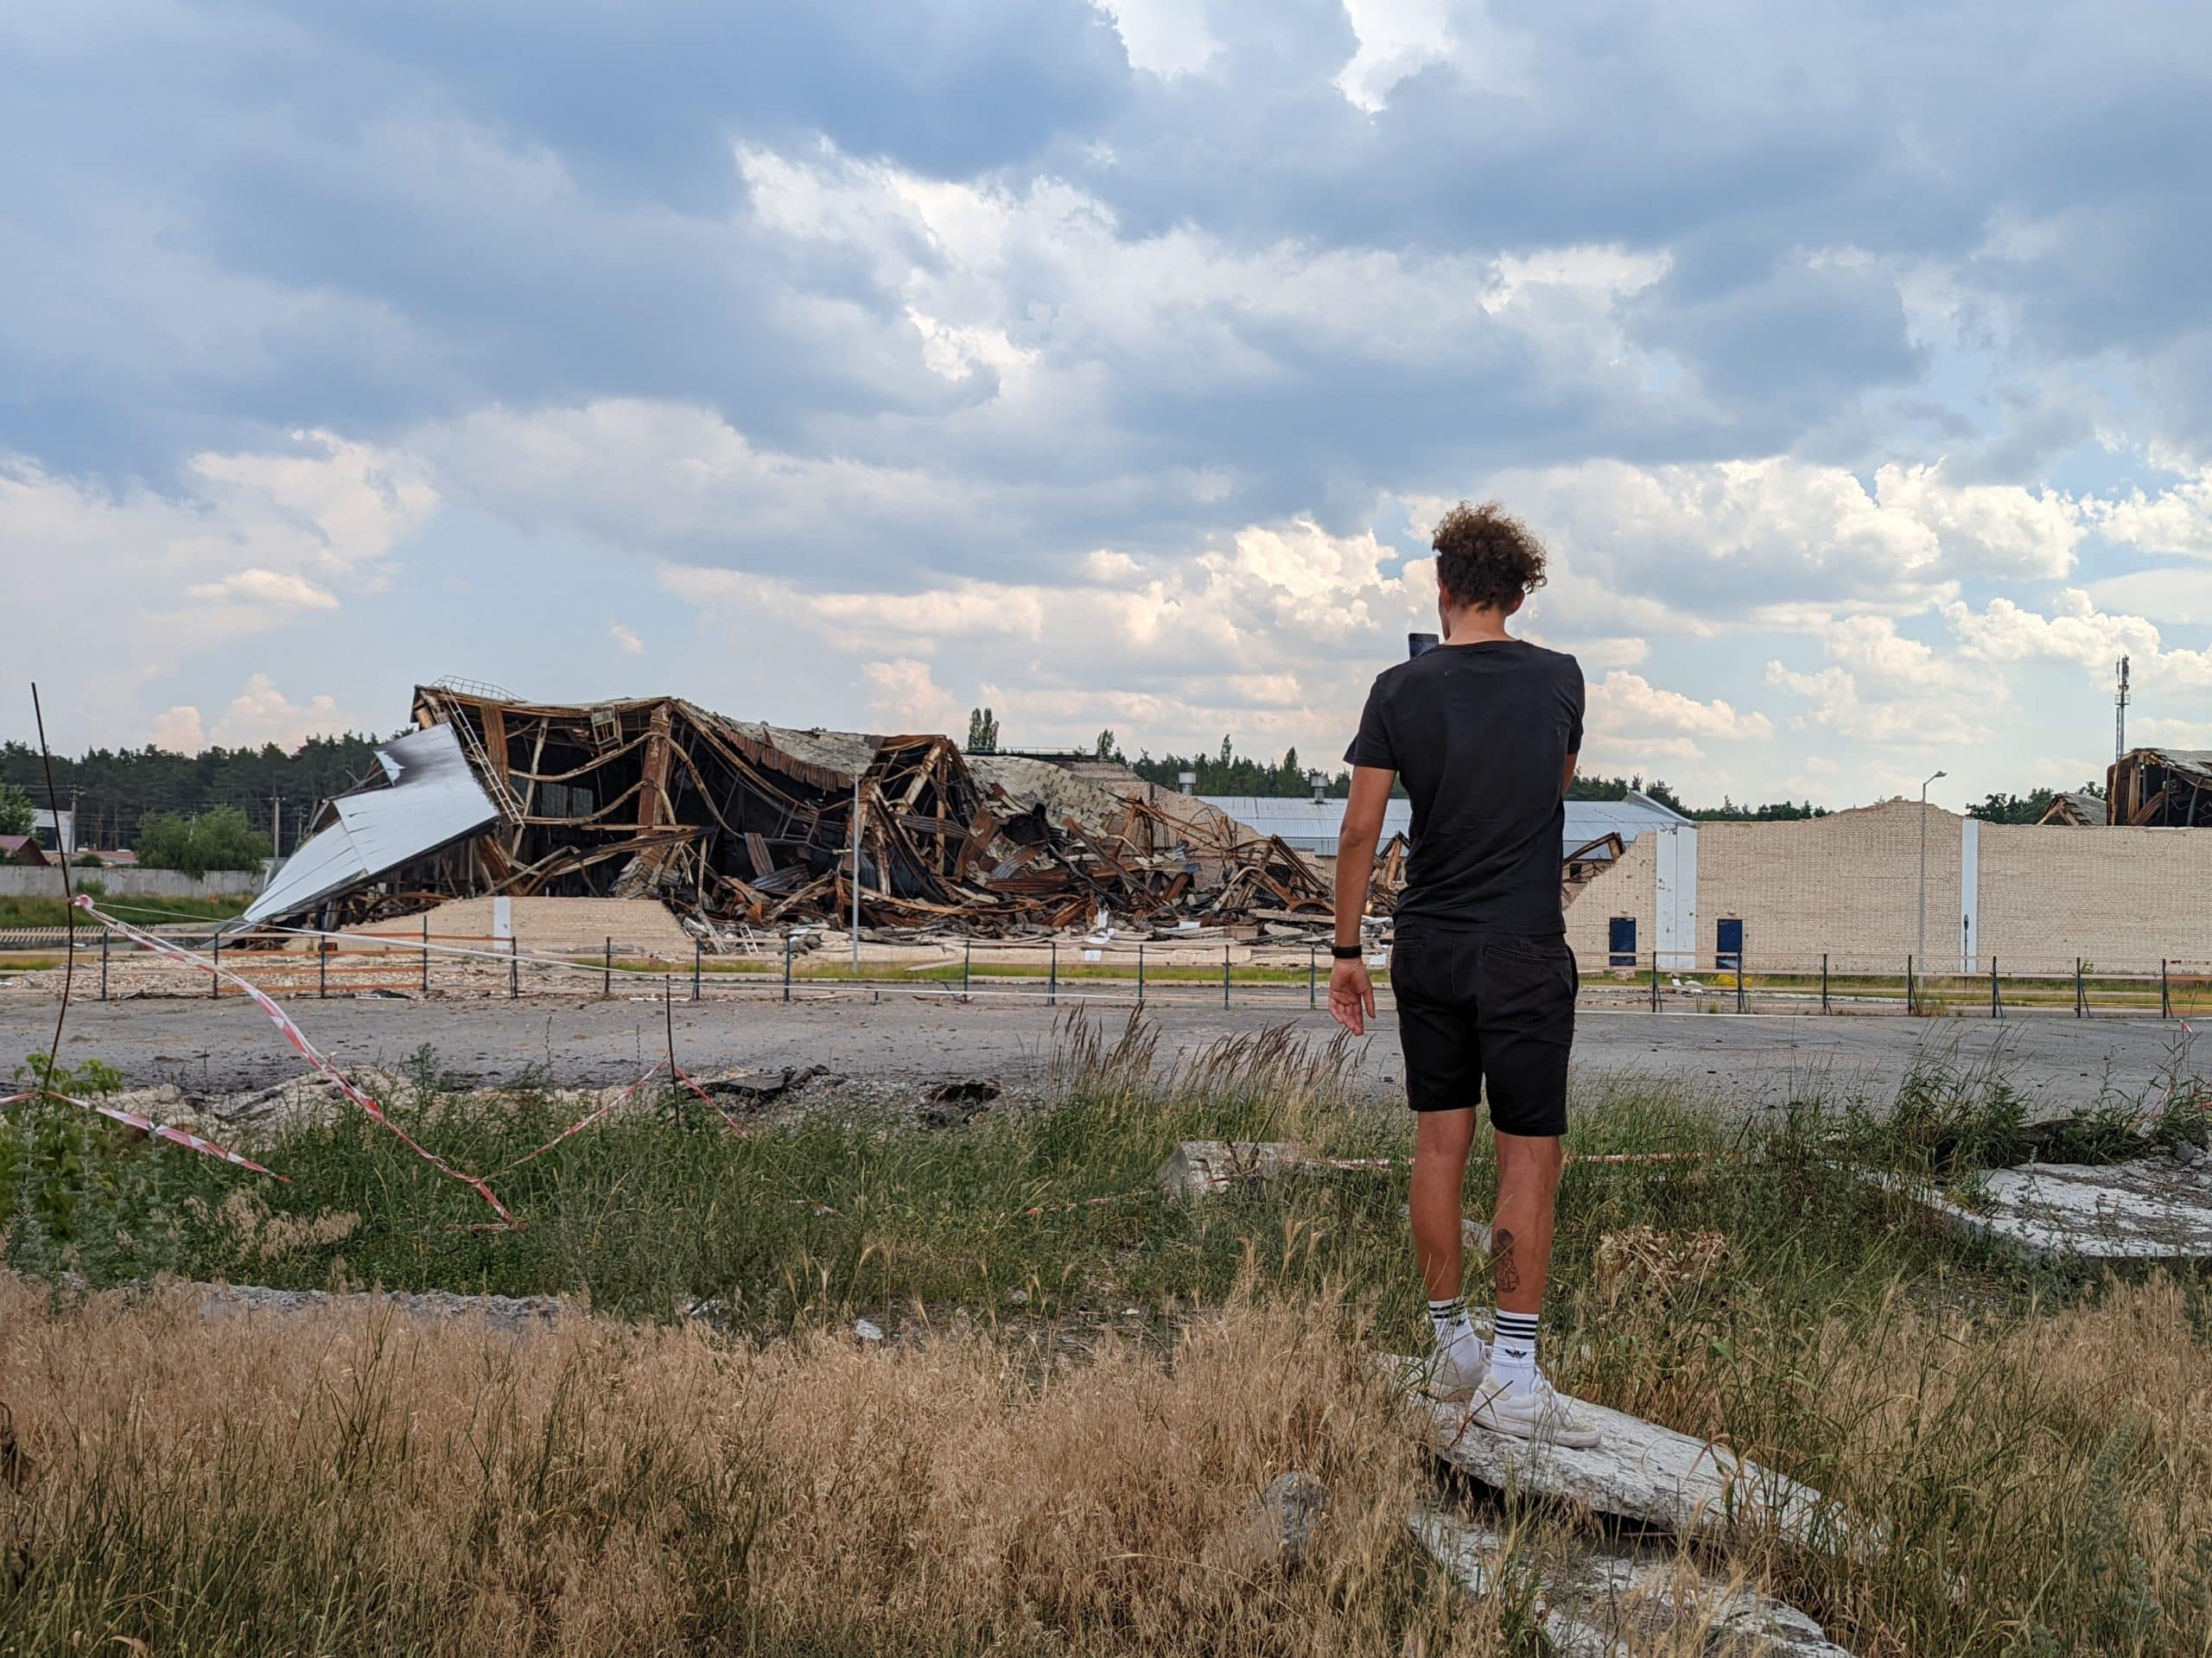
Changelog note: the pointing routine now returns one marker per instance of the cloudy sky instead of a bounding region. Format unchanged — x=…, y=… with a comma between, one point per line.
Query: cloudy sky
x=1105, y=360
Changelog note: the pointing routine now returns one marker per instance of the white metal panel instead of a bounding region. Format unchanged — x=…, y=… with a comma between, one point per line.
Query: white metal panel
x=433, y=799
x=1674, y=900
x=1969, y=893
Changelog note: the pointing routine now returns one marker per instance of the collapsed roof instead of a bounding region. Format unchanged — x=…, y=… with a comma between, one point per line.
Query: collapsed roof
x=2167, y=788
x=2076, y=809
x=740, y=821
x=434, y=800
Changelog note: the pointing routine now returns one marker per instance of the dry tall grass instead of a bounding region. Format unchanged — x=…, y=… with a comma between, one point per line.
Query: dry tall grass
x=361, y=1484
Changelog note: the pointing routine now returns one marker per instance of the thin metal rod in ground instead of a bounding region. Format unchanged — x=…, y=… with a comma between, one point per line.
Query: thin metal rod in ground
x=68, y=892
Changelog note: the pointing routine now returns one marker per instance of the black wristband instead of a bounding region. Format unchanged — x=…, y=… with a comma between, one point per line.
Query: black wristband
x=1346, y=952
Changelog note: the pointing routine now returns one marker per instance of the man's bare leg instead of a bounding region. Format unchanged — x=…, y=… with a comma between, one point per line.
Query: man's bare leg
x=1436, y=1199
x=1520, y=1237
x=1440, y=1141
x=1518, y=1400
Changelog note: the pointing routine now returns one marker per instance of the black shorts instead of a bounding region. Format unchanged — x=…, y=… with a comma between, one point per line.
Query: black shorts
x=1487, y=1007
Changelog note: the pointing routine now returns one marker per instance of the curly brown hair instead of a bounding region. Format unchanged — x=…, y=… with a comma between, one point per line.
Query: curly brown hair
x=1487, y=558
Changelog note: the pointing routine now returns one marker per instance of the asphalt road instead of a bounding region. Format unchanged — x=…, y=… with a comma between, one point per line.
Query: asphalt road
x=1739, y=1062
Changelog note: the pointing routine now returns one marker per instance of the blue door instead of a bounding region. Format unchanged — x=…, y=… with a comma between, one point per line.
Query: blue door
x=1620, y=941
x=1728, y=949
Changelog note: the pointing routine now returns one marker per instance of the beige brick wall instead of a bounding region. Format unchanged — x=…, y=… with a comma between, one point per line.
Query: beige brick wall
x=2123, y=897
x=1630, y=888
x=1849, y=885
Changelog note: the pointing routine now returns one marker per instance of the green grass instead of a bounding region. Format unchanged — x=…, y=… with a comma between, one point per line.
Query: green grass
x=2032, y=1468
x=21, y=912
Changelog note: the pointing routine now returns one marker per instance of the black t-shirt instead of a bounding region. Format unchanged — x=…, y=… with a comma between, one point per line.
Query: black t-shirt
x=1480, y=734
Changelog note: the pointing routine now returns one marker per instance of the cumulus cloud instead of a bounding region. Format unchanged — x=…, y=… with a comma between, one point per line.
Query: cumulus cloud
x=905, y=698
x=179, y=730
x=2076, y=631
x=1111, y=354
x=1634, y=720
x=270, y=587
x=262, y=714
x=1881, y=687
x=243, y=545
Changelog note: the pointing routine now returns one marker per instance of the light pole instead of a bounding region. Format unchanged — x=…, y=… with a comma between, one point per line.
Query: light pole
x=1921, y=955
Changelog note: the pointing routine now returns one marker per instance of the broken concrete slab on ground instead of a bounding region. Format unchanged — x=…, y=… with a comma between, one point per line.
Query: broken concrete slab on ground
x=1640, y=1472
x=1198, y=1168
x=2156, y=1207
x=1610, y=1601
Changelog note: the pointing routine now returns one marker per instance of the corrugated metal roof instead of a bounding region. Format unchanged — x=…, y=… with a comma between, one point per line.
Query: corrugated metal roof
x=433, y=799
x=1314, y=827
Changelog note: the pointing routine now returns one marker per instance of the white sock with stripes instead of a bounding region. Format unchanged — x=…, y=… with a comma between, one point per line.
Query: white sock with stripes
x=1453, y=1333
x=1513, y=1359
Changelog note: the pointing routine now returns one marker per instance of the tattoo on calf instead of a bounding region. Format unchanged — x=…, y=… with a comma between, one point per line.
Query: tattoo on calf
x=1504, y=1273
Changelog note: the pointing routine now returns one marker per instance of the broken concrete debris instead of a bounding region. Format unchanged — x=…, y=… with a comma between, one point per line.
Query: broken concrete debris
x=2151, y=1209
x=508, y=1312
x=1607, y=1602
x=737, y=824
x=1291, y=1509
x=1198, y=1168
x=948, y=1105
x=1639, y=1471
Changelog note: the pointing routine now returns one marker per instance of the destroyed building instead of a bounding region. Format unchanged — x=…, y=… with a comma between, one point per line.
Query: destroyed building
x=736, y=822
x=2162, y=788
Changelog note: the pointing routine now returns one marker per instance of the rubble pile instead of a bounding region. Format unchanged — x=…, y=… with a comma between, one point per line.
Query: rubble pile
x=738, y=825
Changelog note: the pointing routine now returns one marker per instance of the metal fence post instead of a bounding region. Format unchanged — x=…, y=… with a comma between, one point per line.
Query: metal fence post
x=1224, y=975
x=2165, y=988
x=214, y=982
x=322, y=966
x=607, y=970
x=104, y=940
x=514, y=967
x=787, y=967
x=1312, y=975
x=2080, y=991
x=1824, y=982
x=1053, y=983
x=1911, y=991
x=426, y=952
x=1739, y=981
x=967, y=962
x=1654, y=979
x=1139, y=972
x=698, y=959
x=1996, y=1005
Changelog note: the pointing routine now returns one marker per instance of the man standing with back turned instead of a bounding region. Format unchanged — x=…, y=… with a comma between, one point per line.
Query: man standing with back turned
x=1485, y=729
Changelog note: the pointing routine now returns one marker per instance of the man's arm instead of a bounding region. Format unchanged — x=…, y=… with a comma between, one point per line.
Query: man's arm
x=1567, y=777
x=1351, y=993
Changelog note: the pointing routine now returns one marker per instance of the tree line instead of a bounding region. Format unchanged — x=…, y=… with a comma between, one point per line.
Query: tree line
x=114, y=791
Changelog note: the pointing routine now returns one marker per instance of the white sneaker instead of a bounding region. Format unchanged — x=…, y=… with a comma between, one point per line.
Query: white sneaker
x=1454, y=1373
x=1540, y=1413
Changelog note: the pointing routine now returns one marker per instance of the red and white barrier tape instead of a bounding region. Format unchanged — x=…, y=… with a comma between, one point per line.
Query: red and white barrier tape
x=147, y=1125
x=581, y=1123
x=315, y=1056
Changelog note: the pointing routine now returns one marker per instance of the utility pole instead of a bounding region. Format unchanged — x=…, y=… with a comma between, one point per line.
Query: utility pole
x=1921, y=952
x=856, y=874
x=276, y=826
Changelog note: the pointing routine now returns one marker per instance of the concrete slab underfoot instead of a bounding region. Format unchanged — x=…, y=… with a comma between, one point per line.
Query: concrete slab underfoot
x=1610, y=1601
x=1639, y=1473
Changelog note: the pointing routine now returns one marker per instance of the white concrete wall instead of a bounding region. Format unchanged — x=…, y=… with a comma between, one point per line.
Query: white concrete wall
x=20, y=880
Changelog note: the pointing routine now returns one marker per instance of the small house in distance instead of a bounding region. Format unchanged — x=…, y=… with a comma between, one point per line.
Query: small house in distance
x=21, y=849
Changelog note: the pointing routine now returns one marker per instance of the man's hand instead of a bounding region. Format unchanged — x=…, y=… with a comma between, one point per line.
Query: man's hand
x=1351, y=995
